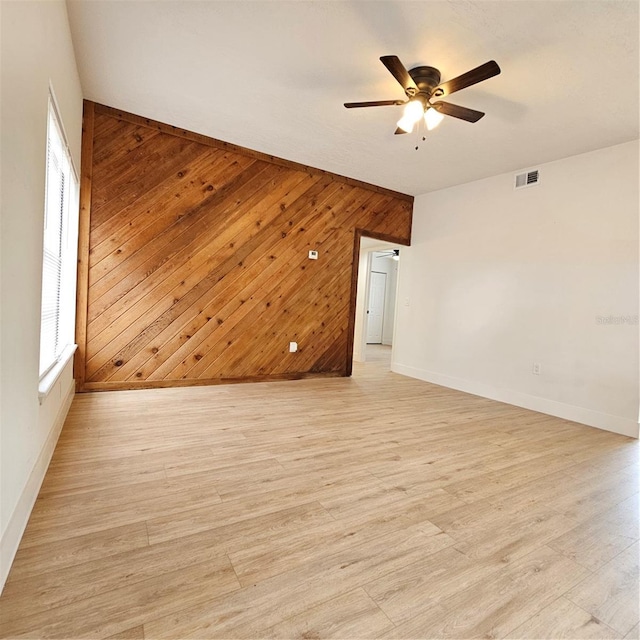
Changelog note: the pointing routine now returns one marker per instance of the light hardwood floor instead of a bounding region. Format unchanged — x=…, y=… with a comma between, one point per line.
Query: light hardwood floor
x=372, y=507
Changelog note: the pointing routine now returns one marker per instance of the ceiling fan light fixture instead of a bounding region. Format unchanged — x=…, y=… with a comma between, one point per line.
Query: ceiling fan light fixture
x=412, y=114
x=405, y=125
x=414, y=110
x=432, y=118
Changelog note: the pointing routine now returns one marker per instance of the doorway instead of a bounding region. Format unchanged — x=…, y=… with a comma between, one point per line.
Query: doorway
x=375, y=299
x=375, y=308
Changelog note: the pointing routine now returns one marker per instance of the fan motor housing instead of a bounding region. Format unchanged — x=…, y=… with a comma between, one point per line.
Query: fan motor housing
x=426, y=79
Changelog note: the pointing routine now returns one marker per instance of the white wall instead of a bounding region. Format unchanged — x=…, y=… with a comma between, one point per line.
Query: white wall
x=498, y=279
x=36, y=51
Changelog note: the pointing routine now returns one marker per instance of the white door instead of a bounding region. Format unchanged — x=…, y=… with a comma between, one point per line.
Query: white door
x=375, y=311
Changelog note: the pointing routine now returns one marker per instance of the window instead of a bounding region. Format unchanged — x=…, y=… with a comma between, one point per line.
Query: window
x=59, y=251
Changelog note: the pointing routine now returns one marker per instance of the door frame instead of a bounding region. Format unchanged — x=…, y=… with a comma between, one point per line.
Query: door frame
x=355, y=263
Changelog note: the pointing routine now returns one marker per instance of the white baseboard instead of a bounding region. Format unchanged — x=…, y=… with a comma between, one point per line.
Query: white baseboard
x=20, y=517
x=589, y=417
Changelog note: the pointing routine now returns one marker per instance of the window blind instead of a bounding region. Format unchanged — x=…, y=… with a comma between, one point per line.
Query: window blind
x=56, y=204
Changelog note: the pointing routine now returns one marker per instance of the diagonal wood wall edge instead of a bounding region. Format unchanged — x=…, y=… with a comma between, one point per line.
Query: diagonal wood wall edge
x=193, y=260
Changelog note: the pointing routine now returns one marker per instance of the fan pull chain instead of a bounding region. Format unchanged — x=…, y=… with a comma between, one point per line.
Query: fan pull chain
x=418, y=134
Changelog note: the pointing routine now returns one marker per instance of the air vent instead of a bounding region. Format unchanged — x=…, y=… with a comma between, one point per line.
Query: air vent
x=528, y=179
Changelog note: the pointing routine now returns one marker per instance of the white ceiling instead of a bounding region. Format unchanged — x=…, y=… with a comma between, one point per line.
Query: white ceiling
x=272, y=76
x=372, y=244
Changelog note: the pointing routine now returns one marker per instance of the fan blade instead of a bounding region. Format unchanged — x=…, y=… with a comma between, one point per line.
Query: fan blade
x=398, y=71
x=398, y=131
x=375, y=103
x=483, y=72
x=470, y=115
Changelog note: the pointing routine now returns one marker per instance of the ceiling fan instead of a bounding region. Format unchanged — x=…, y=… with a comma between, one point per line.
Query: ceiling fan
x=421, y=85
x=394, y=254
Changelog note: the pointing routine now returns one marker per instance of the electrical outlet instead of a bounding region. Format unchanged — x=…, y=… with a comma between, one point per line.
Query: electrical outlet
x=313, y=255
x=536, y=369
x=293, y=347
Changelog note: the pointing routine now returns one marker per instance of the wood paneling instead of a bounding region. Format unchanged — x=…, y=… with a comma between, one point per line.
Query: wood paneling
x=193, y=265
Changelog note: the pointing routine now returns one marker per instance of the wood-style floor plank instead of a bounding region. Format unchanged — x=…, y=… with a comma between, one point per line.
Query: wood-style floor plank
x=353, y=615
x=41, y=559
x=64, y=586
x=565, y=621
x=135, y=633
x=493, y=606
x=371, y=507
x=600, y=539
x=611, y=594
x=254, y=608
x=114, y=611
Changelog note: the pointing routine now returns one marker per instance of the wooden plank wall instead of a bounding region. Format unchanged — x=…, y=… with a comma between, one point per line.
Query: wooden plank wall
x=193, y=265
